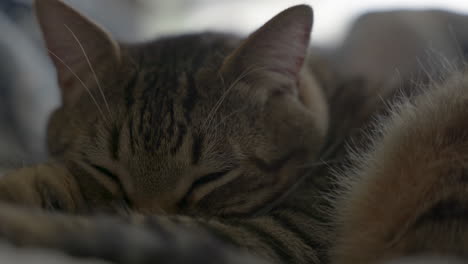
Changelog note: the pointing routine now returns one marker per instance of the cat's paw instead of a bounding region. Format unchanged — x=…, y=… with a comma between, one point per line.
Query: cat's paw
x=48, y=186
x=31, y=227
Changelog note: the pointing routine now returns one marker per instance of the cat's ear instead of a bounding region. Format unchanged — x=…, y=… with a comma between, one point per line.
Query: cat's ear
x=81, y=51
x=279, y=46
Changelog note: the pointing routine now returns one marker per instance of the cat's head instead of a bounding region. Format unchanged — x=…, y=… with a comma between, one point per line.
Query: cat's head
x=201, y=124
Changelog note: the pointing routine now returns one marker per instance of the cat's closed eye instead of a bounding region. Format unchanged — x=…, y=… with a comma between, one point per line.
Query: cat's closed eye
x=106, y=172
x=202, y=181
x=114, y=181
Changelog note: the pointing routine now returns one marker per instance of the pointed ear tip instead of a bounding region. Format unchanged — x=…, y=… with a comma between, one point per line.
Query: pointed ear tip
x=47, y=4
x=39, y=3
x=39, y=6
x=303, y=10
x=303, y=14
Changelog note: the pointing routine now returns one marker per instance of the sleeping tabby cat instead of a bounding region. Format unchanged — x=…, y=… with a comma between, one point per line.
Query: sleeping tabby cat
x=190, y=140
x=202, y=132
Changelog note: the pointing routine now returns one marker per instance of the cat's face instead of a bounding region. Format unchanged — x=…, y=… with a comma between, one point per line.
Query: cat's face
x=199, y=124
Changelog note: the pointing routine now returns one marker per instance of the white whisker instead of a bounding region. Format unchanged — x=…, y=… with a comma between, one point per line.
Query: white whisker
x=457, y=43
x=91, y=68
x=299, y=182
x=233, y=113
x=218, y=104
x=319, y=163
x=82, y=83
x=426, y=71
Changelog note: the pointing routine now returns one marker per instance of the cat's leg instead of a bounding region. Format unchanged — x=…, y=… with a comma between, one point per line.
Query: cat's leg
x=408, y=195
x=164, y=239
x=52, y=186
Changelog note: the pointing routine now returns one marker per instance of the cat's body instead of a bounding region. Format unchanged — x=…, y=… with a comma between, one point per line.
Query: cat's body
x=214, y=144
x=406, y=195
x=403, y=189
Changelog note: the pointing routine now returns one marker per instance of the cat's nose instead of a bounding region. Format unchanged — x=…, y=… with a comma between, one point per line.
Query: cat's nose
x=154, y=206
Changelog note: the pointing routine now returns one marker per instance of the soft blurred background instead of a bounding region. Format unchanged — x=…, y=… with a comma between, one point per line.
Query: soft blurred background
x=151, y=17
x=28, y=90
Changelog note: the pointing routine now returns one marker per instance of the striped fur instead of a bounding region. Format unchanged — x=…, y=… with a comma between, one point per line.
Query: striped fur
x=195, y=147
x=181, y=142
x=406, y=195
x=167, y=125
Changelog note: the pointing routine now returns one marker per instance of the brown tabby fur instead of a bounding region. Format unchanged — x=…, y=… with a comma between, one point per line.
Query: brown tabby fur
x=400, y=197
x=406, y=195
x=205, y=131
x=200, y=137
x=172, y=113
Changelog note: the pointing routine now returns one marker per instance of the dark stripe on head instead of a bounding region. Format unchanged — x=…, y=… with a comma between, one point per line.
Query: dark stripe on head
x=191, y=98
x=93, y=133
x=129, y=91
x=143, y=111
x=197, y=147
x=157, y=115
x=150, y=82
x=131, y=140
x=172, y=121
x=182, y=129
x=114, y=141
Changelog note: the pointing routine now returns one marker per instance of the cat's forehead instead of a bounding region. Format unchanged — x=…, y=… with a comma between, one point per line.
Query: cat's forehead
x=185, y=52
x=169, y=104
